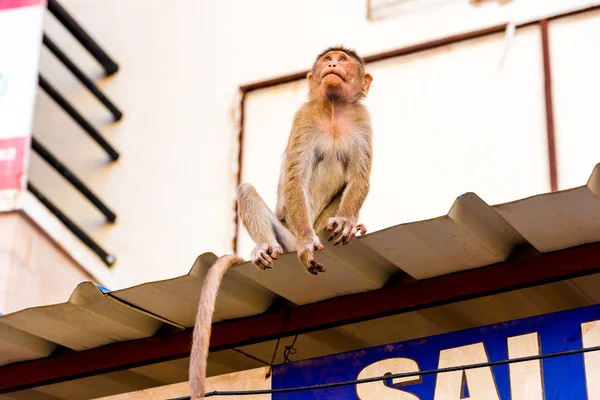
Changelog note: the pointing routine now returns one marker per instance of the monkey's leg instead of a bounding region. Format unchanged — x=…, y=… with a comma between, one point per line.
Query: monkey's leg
x=326, y=218
x=269, y=234
x=328, y=212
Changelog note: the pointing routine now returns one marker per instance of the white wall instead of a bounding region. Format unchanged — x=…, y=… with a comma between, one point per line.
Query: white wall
x=445, y=121
x=576, y=85
x=33, y=271
x=181, y=64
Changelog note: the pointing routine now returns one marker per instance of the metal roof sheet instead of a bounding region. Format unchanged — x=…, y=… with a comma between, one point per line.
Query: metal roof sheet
x=472, y=234
x=176, y=300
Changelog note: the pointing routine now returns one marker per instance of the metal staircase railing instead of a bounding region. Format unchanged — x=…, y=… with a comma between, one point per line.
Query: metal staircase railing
x=110, y=67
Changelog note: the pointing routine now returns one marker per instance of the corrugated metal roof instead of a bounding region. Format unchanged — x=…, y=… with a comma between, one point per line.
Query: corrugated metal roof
x=472, y=234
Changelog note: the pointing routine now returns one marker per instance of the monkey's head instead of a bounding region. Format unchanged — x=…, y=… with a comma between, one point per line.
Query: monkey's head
x=338, y=74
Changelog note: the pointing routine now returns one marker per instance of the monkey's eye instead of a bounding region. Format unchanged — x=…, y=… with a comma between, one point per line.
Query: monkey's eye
x=343, y=58
x=327, y=58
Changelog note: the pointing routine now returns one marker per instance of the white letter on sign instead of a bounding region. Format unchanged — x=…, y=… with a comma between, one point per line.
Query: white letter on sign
x=525, y=377
x=478, y=382
x=378, y=390
x=590, y=335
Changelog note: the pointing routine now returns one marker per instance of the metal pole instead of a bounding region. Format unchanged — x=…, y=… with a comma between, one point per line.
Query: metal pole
x=68, y=175
x=107, y=258
x=110, y=67
x=87, y=82
x=550, y=131
x=77, y=117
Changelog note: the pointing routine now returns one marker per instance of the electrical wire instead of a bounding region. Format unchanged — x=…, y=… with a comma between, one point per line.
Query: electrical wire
x=395, y=376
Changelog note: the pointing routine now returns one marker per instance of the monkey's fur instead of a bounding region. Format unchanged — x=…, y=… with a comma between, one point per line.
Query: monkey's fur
x=202, y=329
x=324, y=182
x=325, y=168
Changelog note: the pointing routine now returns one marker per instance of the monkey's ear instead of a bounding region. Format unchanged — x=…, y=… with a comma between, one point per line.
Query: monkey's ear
x=309, y=77
x=367, y=79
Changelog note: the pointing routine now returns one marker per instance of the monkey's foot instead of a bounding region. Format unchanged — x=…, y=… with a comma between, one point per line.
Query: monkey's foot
x=345, y=228
x=311, y=265
x=306, y=256
x=263, y=255
x=316, y=267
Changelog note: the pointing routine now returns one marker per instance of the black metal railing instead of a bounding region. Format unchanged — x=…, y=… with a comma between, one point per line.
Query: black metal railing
x=73, y=227
x=83, y=78
x=70, y=176
x=110, y=67
x=73, y=113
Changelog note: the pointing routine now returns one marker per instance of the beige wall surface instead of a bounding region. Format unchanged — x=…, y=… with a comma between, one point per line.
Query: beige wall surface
x=253, y=379
x=33, y=271
x=181, y=65
x=576, y=85
x=445, y=121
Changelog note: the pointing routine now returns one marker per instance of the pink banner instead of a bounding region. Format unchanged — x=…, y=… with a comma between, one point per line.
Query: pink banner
x=12, y=162
x=8, y=4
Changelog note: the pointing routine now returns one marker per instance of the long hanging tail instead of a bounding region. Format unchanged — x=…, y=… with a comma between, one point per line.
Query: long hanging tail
x=202, y=328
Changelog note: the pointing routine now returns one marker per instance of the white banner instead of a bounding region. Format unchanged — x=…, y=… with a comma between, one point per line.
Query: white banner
x=21, y=24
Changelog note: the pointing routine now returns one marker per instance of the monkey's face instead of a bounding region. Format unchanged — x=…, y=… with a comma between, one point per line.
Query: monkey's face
x=336, y=75
x=334, y=68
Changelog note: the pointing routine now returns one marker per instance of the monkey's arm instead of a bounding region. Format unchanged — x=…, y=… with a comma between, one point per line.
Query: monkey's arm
x=279, y=206
x=358, y=183
x=355, y=193
x=297, y=172
x=299, y=159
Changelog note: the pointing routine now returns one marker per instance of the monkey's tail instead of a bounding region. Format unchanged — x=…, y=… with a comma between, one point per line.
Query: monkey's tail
x=203, y=325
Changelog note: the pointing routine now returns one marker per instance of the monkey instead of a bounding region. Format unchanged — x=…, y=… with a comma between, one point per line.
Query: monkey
x=324, y=181
x=325, y=169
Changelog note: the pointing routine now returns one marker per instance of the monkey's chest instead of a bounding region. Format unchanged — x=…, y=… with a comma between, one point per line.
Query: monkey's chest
x=327, y=180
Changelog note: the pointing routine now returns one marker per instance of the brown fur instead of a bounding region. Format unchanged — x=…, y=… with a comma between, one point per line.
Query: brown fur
x=324, y=181
x=326, y=166
x=203, y=325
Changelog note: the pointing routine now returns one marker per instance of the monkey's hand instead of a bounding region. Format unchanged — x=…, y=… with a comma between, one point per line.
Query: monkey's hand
x=345, y=228
x=263, y=255
x=306, y=251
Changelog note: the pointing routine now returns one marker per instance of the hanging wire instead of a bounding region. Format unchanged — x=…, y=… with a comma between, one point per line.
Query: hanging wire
x=289, y=350
x=286, y=320
x=395, y=376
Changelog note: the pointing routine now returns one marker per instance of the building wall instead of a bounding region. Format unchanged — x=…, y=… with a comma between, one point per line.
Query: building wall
x=181, y=65
x=445, y=121
x=252, y=379
x=33, y=271
x=576, y=85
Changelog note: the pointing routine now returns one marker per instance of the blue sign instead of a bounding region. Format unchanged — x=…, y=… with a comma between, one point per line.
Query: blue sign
x=566, y=377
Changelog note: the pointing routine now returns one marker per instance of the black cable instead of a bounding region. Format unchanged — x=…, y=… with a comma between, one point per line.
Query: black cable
x=395, y=376
x=289, y=350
